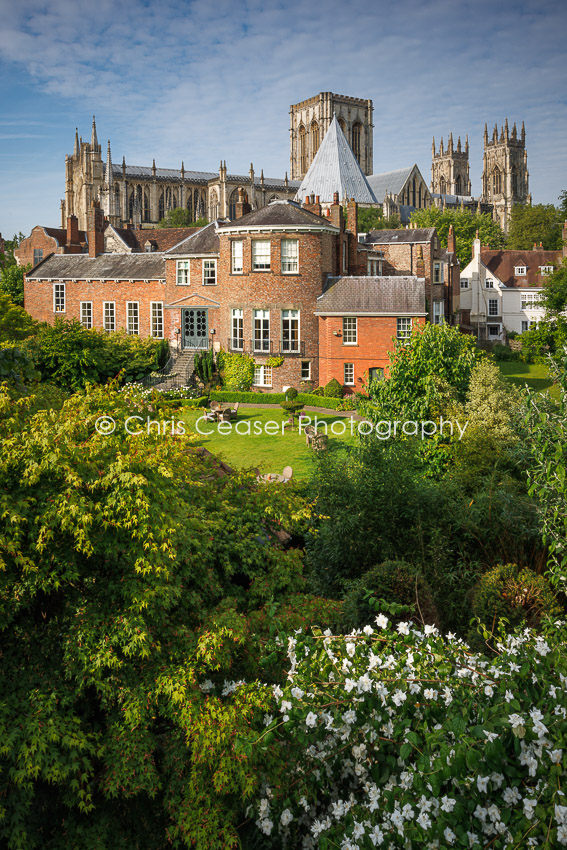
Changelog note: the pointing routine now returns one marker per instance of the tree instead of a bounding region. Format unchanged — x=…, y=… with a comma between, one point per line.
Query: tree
x=133, y=571
x=12, y=281
x=180, y=217
x=465, y=225
x=554, y=292
x=15, y=323
x=373, y=219
x=563, y=204
x=534, y=224
x=7, y=258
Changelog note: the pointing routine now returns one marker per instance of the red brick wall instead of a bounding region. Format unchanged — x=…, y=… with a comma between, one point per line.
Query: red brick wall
x=38, y=238
x=375, y=336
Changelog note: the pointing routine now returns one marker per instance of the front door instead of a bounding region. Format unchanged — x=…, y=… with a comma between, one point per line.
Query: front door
x=195, y=326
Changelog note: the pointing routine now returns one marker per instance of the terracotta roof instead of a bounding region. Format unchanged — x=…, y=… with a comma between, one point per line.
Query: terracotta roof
x=60, y=235
x=280, y=214
x=387, y=237
x=502, y=264
x=103, y=267
x=204, y=241
x=163, y=237
x=388, y=296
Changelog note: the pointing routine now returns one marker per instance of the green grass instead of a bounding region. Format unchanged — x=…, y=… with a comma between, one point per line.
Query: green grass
x=268, y=453
x=535, y=375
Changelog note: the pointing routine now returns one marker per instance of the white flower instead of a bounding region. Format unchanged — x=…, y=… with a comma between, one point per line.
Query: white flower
x=492, y=736
x=447, y=696
x=285, y=705
x=560, y=813
x=449, y=836
x=268, y=719
x=207, y=686
x=351, y=648
x=556, y=756
x=267, y=826
x=403, y=628
x=529, y=806
x=349, y=716
x=286, y=817
x=430, y=630
x=508, y=696
x=277, y=691
x=349, y=685
x=516, y=721
x=358, y=831
x=482, y=783
x=447, y=804
x=381, y=621
x=264, y=807
x=311, y=719
x=297, y=693
x=562, y=834
x=511, y=796
x=377, y=836
x=488, y=690
x=424, y=820
x=398, y=697
x=430, y=693
x=368, y=630
x=541, y=646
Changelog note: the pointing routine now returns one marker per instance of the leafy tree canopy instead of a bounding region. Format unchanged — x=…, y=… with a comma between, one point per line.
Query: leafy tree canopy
x=180, y=217
x=7, y=258
x=563, y=204
x=534, y=224
x=465, y=224
x=554, y=291
x=15, y=323
x=373, y=219
x=12, y=281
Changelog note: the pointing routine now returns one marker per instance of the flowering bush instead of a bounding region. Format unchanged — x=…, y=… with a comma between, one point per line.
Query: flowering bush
x=403, y=738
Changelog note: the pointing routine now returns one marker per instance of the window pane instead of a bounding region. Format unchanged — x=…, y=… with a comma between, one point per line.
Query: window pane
x=237, y=340
x=157, y=320
x=404, y=328
x=290, y=330
x=349, y=330
x=290, y=255
x=237, y=254
x=261, y=330
x=59, y=297
x=349, y=374
x=209, y=272
x=260, y=254
x=87, y=314
x=183, y=272
x=306, y=370
x=133, y=325
x=109, y=319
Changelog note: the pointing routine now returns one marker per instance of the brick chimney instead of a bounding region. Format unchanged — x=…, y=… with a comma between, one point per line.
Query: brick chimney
x=95, y=229
x=352, y=217
x=242, y=205
x=420, y=262
x=337, y=213
x=72, y=245
x=451, y=244
x=313, y=204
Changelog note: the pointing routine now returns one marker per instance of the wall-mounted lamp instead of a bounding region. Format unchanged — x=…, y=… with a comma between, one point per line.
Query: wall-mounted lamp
x=212, y=331
x=337, y=333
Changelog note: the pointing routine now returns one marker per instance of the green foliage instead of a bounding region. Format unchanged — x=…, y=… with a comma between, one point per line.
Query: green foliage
x=291, y=394
x=180, y=217
x=7, y=258
x=523, y=597
x=16, y=366
x=15, y=323
x=546, y=338
x=204, y=365
x=163, y=352
x=563, y=204
x=538, y=223
x=391, y=581
x=333, y=389
x=237, y=370
x=554, y=292
x=71, y=356
x=434, y=366
x=372, y=218
x=307, y=399
x=491, y=404
x=130, y=570
x=12, y=282
x=503, y=352
x=465, y=225
x=274, y=361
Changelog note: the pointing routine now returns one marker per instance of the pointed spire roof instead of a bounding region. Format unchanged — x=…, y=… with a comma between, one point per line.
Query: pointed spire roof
x=76, y=148
x=94, y=139
x=108, y=165
x=335, y=169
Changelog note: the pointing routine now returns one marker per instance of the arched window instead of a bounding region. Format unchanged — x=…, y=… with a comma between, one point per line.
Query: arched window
x=342, y=125
x=302, y=150
x=168, y=198
x=514, y=182
x=496, y=181
x=214, y=206
x=356, y=139
x=117, y=210
x=200, y=205
x=232, y=202
x=161, y=207
x=189, y=203
x=458, y=185
x=146, y=207
x=174, y=200
x=314, y=138
x=413, y=193
x=442, y=186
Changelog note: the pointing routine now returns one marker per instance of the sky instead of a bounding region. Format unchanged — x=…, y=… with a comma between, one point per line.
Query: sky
x=202, y=81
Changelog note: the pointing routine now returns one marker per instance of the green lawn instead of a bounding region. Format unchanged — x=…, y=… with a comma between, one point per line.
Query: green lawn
x=267, y=452
x=535, y=375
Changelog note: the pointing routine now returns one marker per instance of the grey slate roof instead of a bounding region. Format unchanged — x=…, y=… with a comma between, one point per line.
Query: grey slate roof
x=335, y=169
x=391, y=182
x=280, y=214
x=389, y=237
x=104, y=267
x=388, y=296
x=205, y=241
x=170, y=175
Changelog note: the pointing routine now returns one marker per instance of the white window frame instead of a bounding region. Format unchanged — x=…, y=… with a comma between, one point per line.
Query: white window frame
x=438, y=271
x=210, y=272
x=464, y=283
x=374, y=266
x=59, y=298
x=531, y=300
x=525, y=325
x=261, y=255
x=290, y=256
x=87, y=320
x=350, y=330
x=545, y=270
x=106, y=304
x=493, y=335
x=438, y=312
x=237, y=257
x=404, y=331
x=520, y=271
x=293, y=315
x=129, y=330
x=489, y=283
x=237, y=329
x=156, y=320
x=262, y=375
x=183, y=272
x=492, y=307
x=306, y=367
x=348, y=372
x=261, y=323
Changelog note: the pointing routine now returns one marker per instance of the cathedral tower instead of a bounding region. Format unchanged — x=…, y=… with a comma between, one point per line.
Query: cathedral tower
x=505, y=176
x=310, y=119
x=450, y=168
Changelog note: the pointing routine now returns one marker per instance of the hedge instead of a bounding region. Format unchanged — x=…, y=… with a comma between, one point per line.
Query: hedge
x=308, y=399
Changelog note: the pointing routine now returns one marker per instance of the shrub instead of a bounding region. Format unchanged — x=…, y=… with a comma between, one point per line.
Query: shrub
x=204, y=366
x=257, y=397
x=318, y=391
x=391, y=581
x=518, y=594
x=291, y=393
x=237, y=370
x=333, y=389
x=503, y=352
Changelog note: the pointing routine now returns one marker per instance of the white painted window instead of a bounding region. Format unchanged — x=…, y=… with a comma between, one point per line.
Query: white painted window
x=209, y=272
x=58, y=297
x=493, y=330
x=349, y=330
x=290, y=330
x=305, y=370
x=438, y=272
x=237, y=340
x=290, y=256
x=520, y=270
x=525, y=325
x=546, y=270
x=438, y=312
x=157, y=319
x=531, y=300
x=183, y=272
x=403, y=329
x=87, y=314
x=262, y=376
x=109, y=316
x=133, y=318
x=464, y=283
x=261, y=330
x=373, y=266
x=261, y=255
x=489, y=283
x=493, y=307
x=237, y=254
x=349, y=374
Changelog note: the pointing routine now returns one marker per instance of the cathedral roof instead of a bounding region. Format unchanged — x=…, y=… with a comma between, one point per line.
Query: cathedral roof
x=205, y=241
x=387, y=237
x=173, y=175
x=386, y=296
x=103, y=267
x=281, y=215
x=390, y=182
x=335, y=169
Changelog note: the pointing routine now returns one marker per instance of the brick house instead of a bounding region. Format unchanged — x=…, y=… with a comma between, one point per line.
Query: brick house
x=252, y=285
x=44, y=241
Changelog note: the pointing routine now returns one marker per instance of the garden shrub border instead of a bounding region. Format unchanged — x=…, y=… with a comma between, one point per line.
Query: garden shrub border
x=308, y=399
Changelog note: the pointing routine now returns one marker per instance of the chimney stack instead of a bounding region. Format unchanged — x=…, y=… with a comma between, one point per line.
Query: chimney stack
x=242, y=205
x=95, y=229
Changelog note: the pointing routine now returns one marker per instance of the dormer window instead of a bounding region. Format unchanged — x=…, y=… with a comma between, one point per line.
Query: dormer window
x=546, y=270
x=520, y=271
x=489, y=283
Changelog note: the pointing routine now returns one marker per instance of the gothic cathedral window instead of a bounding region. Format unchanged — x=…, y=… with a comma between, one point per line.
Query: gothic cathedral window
x=302, y=150
x=314, y=138
x=356, y=138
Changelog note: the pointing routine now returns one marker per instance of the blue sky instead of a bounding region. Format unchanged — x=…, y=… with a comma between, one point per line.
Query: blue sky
x=201, y=81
